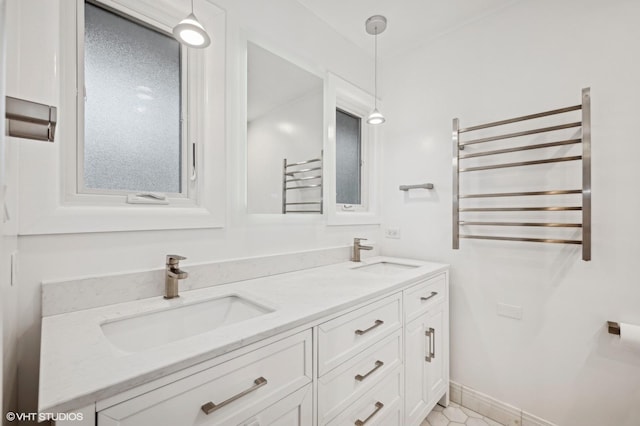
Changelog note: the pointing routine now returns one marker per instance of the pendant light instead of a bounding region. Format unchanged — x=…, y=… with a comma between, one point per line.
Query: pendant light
x=375, y=25
x=191, y=33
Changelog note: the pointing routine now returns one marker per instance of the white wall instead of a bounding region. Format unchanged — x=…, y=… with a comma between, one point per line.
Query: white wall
x=283, y=23
x=2, y=166
x=8, y=244
x=558, y=362
x=292, y=131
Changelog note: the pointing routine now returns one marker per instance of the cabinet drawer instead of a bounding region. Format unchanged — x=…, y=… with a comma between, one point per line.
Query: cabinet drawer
x=380, y=406
x=421, y=297
x=344, y=384
x=345, y=336
x=293, y=410
x=232, y=391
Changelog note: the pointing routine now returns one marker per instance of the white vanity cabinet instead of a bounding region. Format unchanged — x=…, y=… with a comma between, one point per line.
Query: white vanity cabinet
x=383, y=359
x=426, y=358
x=259, y=388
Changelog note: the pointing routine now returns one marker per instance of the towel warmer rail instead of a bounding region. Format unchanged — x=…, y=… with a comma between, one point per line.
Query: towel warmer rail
x=585, y=157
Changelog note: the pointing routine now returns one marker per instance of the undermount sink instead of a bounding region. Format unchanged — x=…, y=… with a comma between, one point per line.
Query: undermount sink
x=387, y=268
x=157, y=328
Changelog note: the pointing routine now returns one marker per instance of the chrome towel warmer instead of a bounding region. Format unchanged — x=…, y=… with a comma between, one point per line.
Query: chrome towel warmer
x=585, y=158
x=302, y=175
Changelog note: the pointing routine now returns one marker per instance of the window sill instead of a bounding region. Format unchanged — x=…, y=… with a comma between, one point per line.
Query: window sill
x=353, y=218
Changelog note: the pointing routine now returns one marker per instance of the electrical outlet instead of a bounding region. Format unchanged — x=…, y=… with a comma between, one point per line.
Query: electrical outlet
x=392, y=233
x=509, y=311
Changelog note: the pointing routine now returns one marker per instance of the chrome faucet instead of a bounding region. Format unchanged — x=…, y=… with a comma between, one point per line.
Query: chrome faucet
x=357, y=247
x=174, y=274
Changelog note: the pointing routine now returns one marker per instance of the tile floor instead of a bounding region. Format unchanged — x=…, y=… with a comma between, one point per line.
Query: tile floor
x=455, y=415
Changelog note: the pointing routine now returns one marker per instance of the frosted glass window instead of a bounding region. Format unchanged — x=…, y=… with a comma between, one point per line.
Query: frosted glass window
x=348, y=158
x=132, y=136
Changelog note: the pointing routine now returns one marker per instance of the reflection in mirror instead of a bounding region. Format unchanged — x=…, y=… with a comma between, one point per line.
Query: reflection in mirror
x=348, y=158
x=284, y=127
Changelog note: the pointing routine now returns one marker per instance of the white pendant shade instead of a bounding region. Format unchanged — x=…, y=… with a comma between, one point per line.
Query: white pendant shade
x=375, y=117
x=190, y=32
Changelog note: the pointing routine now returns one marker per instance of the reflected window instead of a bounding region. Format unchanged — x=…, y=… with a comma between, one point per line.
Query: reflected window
x=348, y=158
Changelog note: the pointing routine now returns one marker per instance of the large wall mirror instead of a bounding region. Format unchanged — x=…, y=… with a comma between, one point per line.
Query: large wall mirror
x=284, y=136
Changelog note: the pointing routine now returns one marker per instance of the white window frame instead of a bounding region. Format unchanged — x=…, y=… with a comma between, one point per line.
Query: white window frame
x=343, y=95
x=50, y=202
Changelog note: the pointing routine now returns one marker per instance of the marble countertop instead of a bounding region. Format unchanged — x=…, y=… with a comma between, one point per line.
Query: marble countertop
x=79, y=366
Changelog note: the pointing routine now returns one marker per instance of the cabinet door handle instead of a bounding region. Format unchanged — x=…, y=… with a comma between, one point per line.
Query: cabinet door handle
x=360, y=377
x=377, y=324
x=379, y=406
x=429, y=334
x=433, y=294
x=433, y=339
x=210, y=407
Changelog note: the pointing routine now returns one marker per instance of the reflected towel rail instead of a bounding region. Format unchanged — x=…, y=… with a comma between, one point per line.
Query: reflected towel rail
x=304, y=178
x=293, y=175
x=304, y=202
x=300, y=163
x=304, y=186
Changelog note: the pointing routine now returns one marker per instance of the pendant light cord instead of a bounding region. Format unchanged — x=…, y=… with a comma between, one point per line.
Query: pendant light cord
x=192, y=7
x=375, y=70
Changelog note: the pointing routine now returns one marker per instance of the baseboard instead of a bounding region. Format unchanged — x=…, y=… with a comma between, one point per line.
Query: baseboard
x=499, y=411
x=529, y=419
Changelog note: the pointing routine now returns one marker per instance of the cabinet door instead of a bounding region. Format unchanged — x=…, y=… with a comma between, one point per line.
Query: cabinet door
x=416, y=384
x=426, y=359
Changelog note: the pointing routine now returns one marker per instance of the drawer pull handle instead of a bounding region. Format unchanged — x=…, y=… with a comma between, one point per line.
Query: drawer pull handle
x=431, y=354
x=433, y=294
x=360, y=377
x=210, y=407
x=379, y=406
x=377, y=324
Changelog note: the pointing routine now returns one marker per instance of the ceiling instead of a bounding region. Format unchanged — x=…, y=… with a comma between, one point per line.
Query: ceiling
x=410, y=23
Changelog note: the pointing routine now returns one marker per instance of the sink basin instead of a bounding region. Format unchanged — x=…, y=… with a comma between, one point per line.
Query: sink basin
x=387, y=268
x=157, y=328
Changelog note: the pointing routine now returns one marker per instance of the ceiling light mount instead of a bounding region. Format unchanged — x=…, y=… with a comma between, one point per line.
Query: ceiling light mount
x=376, y=24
